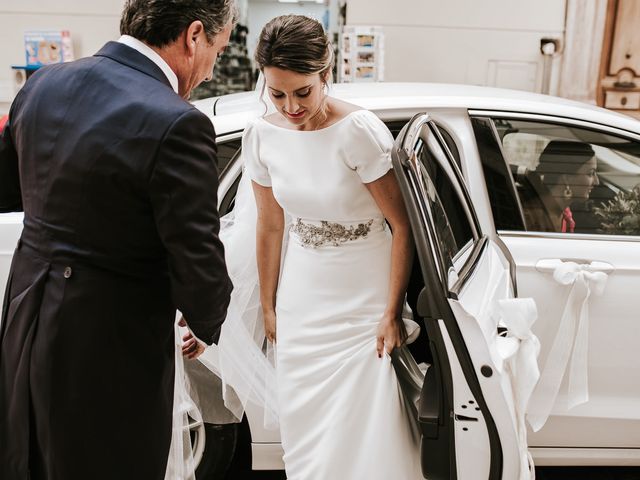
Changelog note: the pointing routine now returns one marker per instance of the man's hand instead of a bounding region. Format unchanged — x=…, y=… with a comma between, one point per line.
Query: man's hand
x=191, y=347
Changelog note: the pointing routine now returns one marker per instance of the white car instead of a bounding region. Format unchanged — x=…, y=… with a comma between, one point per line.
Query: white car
x=466, y=167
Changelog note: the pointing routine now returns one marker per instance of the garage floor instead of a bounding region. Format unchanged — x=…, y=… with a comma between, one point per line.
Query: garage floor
x=587, y=473
x=241, y=460
x=542, y=473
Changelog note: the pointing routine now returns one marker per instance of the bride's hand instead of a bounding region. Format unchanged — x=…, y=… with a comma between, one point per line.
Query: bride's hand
x=392, y=333
x=270, y=325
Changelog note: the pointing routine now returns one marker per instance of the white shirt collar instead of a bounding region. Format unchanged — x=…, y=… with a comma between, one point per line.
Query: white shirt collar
x=148, y=52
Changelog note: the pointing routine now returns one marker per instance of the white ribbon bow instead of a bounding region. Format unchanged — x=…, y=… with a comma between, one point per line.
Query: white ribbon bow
x=519, y=351
x=571, y=344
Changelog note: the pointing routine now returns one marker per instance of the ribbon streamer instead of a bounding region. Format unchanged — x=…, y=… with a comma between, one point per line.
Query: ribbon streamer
x=571, y=345
x=519, y=350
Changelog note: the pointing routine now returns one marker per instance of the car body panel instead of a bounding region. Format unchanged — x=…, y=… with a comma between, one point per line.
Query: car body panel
x=10, y=230
x=603, y=431
x=614, y=377
x=403, y=100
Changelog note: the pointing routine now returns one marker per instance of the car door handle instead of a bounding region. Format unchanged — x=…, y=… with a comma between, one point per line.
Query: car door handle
x=549, y=265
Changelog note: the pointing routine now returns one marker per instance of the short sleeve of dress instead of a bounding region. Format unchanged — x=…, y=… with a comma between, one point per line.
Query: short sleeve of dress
x=370, y=144
x=253, y=165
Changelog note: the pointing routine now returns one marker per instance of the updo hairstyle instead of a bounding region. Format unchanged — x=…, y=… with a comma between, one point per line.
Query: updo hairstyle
x=295, y=43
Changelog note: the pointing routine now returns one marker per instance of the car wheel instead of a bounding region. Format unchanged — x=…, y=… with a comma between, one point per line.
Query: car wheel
x=242, y=460
x=198, y=440
x=219, y=445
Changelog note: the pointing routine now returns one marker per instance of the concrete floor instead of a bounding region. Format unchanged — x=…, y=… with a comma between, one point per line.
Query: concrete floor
x=239, y=468
x=588, y=473
x=542, y=473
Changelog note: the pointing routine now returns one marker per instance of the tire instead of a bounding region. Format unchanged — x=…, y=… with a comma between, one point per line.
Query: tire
x=218, y=443
x=227, y=455
x=240, y=468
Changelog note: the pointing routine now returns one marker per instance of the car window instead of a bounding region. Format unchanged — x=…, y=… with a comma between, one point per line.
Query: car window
x=227, y=149
x=395, y=126
x=452, y=225
x=500, y=188
x=571, y=179
x=448, y=139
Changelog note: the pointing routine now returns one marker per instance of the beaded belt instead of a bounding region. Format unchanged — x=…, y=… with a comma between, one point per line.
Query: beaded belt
x=322, y=233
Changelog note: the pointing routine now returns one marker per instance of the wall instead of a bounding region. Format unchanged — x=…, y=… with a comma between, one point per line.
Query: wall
x=488, y=42
x=91, y=24
x=261, y=11
x=583, y=49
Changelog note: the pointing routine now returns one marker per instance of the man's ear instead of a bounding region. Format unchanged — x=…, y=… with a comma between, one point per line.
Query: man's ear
x=194, y=32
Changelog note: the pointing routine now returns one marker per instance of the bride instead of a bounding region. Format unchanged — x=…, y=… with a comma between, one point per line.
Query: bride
x=332, y=276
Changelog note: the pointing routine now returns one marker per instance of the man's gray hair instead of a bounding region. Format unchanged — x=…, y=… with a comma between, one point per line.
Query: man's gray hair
x=160, y=22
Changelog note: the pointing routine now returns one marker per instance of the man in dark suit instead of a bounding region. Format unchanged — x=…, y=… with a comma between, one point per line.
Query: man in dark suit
x=116, y=174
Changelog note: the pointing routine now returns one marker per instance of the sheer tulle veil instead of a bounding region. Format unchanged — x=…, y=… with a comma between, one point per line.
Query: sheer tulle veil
x=243, y=359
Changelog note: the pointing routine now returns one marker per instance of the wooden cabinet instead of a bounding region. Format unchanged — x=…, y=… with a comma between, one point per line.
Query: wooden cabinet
x=619, y=85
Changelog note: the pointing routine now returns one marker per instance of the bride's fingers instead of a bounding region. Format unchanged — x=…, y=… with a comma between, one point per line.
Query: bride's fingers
x=390, y=347
x=392, y=343
x=380, y=345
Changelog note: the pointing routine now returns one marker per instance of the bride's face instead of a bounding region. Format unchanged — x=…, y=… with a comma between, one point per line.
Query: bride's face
x=298, y=97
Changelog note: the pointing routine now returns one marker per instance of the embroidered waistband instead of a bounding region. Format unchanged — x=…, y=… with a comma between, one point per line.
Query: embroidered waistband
x=316, y=234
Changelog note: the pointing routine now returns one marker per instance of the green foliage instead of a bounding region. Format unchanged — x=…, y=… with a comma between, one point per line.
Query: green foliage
x=621, y=215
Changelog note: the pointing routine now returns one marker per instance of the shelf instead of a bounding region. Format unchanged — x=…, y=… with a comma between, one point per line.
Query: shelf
x=28, y=68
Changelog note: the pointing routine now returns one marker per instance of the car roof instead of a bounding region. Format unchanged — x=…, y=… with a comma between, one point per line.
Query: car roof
x=231, y=113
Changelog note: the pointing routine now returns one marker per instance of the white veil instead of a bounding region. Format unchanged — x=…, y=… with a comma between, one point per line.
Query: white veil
x=181, y=464
x=243, y=359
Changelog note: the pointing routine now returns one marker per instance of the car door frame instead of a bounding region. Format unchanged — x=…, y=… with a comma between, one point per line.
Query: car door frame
x=437, y=415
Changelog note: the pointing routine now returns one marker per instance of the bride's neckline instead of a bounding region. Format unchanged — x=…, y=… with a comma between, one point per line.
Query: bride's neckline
x=337, y=122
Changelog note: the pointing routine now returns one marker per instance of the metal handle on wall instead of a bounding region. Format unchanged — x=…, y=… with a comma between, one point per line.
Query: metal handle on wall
x=548, y=47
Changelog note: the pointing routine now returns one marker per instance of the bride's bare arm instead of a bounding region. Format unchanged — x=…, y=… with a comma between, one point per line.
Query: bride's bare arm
x=269, y=231
x=387, y=195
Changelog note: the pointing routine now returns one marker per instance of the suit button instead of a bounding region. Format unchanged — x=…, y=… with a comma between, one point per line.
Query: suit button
x=68, y=272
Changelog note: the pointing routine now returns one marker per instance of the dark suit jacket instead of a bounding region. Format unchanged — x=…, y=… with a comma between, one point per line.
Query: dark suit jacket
x=117, y=178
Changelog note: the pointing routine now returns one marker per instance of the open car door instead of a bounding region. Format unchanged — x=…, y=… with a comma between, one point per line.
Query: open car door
x=471, y=409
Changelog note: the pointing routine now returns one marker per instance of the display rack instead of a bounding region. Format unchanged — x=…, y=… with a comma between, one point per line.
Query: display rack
x=42, y=47
x=233, y=72
x=361, y=54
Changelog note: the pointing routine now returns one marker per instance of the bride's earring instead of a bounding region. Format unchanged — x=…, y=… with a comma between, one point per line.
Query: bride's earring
x=567, y=192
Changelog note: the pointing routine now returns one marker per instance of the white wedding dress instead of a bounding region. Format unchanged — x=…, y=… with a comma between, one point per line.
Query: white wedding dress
x=341, y=412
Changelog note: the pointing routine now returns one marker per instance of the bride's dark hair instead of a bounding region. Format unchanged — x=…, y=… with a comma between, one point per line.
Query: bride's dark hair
x=296, y=43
